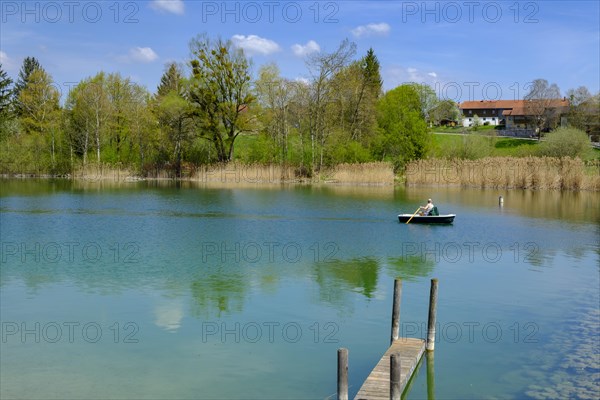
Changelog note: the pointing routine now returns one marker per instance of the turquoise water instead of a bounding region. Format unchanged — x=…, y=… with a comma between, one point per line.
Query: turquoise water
x=174, y=291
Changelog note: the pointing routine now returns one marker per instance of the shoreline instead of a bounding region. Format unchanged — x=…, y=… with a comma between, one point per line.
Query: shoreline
x=528, y=173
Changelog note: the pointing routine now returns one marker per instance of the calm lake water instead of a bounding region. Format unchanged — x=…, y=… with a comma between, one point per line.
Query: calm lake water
x=178, y=291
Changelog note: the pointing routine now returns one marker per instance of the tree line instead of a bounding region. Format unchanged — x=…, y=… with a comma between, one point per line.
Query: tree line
x=213, y=110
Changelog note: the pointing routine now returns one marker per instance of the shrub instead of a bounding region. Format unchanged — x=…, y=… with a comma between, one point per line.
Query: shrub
x=471, y=147
x=565, y=142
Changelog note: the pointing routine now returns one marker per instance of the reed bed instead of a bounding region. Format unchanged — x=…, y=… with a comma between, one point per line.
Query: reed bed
x=506, y=172
x=241, y=173
x=101, y=172
x=374, y=173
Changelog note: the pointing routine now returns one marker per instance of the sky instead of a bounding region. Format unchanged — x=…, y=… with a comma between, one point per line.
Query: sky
x=465, y=50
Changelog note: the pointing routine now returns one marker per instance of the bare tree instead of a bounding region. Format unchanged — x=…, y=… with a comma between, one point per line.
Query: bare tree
x=322, y=68
x=541, y=104
x=584, y=111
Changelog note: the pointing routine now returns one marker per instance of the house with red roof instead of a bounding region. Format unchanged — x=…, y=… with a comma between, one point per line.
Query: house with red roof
x=513, y=114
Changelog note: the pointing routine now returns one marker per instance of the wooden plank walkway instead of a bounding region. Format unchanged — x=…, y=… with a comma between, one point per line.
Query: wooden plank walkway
x=377, y=385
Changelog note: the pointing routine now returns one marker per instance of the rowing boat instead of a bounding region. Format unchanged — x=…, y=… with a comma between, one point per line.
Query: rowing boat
x=427, y=219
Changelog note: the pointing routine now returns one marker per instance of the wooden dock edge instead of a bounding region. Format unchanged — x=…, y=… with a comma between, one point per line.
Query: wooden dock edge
x=377, y=384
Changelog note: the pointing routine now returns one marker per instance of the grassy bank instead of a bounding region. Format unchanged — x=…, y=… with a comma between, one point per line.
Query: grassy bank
x=507, y=172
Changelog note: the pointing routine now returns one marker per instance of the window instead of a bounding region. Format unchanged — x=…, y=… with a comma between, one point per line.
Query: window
x=470, y=112
x=484, y=112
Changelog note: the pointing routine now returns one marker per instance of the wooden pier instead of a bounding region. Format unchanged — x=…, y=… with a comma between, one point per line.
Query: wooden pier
x=393, y=372
x=377, y=385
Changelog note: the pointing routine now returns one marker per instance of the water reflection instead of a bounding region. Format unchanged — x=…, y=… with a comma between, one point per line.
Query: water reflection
x=337, y=278
x=168, y=315
x=430, y=375
x=411, y=267
x=218, y=294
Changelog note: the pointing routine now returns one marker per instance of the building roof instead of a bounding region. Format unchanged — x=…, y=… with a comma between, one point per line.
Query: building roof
x=513, y=107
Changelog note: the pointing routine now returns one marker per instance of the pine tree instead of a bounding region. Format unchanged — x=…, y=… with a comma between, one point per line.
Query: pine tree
x=5, y=94
x=170, y=81
x=370, y=66
x=30, y=64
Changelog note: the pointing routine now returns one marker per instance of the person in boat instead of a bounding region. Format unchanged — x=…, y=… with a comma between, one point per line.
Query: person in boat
x=426, y=209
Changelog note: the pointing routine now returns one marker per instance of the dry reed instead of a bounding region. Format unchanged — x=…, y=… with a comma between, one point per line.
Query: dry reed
x=506, y=172
x=374, y=173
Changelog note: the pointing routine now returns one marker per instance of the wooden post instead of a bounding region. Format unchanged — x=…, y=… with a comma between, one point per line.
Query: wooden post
x=432, y=314
x=395, y=392
x=396, y=310
x=500, y=201
x=430, y=376
x=342, y=374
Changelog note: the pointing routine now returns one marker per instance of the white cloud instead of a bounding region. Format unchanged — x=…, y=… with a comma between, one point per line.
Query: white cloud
x=253, y=44
x=7, y=62
x=413, y=74
x=381, y=29
x=302, y=80
x=397, y=75
x=139, y=54
x=310, y=47
x=172, y=6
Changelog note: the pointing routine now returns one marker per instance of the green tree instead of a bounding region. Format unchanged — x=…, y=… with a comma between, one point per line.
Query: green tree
x=143, y=123
x=5, y=93
x=403, y=131
x=274, y=94
x=445, y=110
x=220, y=93
x=39, y=102
x=427, y=98
x=174, y=115
x=371, y=72
x=89, y=109
x=171, y=80
x=360, y=85
x=30, y=64
x=6, y=110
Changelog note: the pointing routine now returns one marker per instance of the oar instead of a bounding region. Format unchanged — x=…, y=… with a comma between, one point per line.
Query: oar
x=413, y=215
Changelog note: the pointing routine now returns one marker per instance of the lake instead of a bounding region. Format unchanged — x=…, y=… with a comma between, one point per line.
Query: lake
x=163, y=290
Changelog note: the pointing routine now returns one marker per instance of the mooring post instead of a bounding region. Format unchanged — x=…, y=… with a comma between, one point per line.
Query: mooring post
x=396, y=310
x=342, y=374
x=395, y=392
x=432, y=311
x=500, y=201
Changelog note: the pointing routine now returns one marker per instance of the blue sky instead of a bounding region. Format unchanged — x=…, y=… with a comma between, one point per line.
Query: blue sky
x=466, y=50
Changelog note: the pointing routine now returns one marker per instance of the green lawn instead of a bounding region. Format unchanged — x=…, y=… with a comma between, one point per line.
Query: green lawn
x=502, y=146
x=461, y=129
